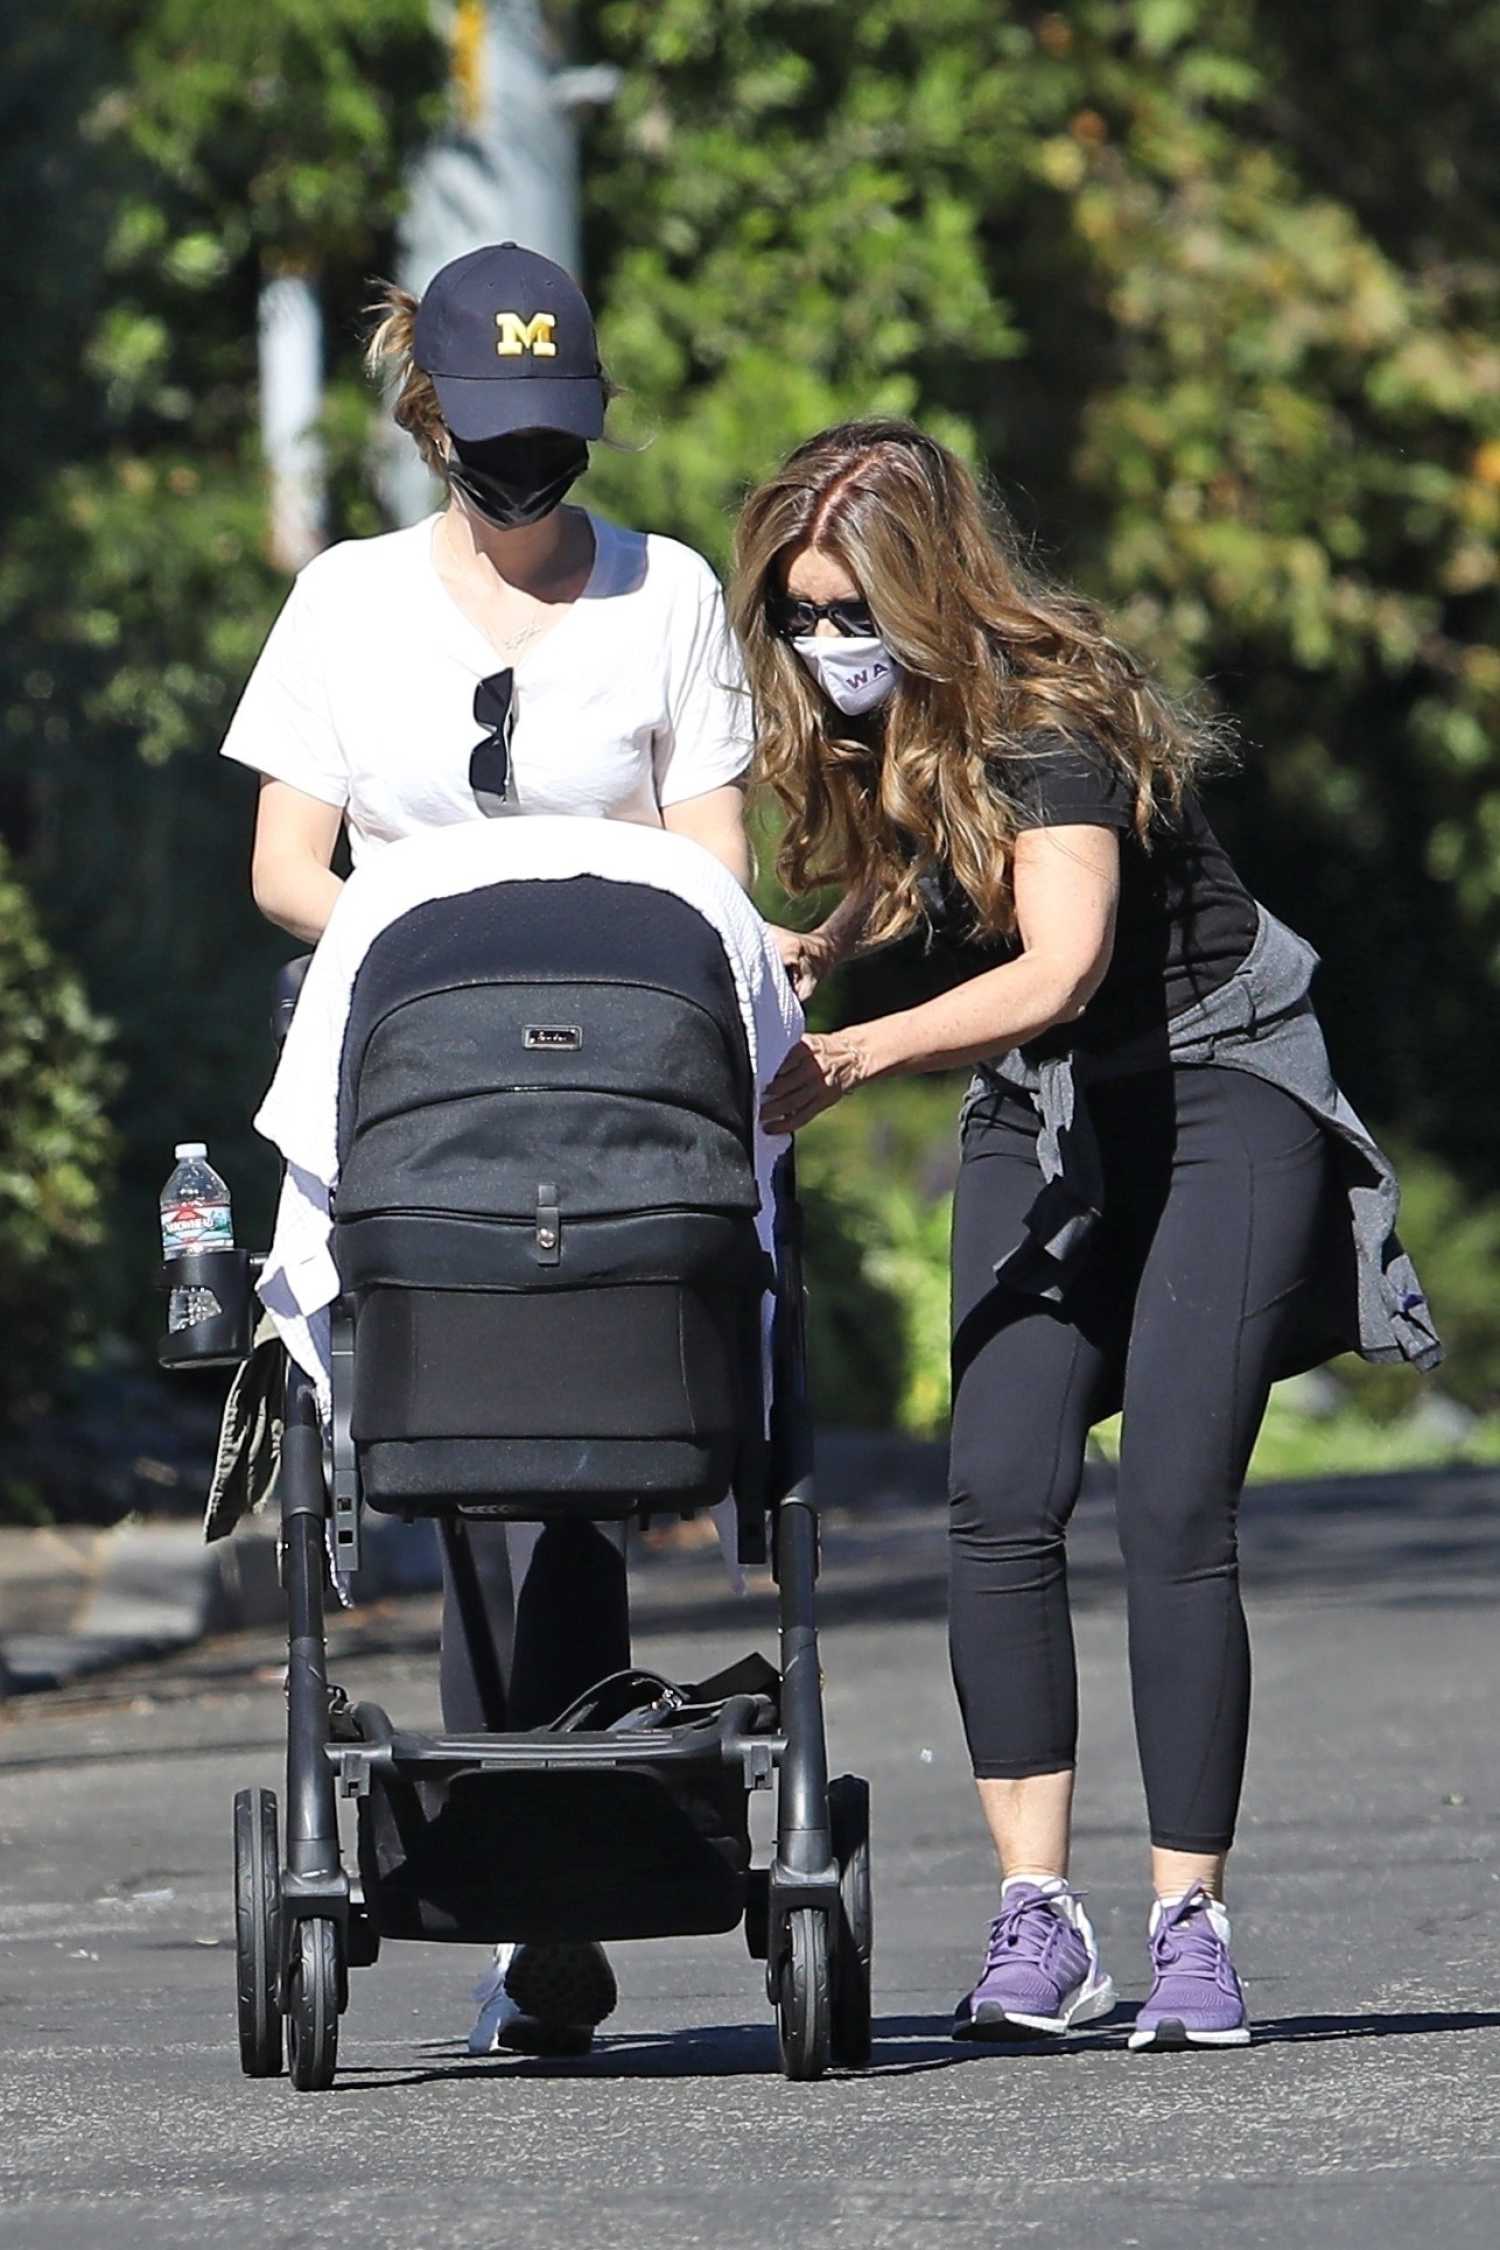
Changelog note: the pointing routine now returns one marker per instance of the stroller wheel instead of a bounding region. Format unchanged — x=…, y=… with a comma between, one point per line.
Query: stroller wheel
x=313, y=1992
x=854, y=1922
x=257, y=1932
x=804, y=2002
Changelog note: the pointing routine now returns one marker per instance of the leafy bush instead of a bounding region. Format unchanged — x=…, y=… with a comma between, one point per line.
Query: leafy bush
x=858, y=1342
x=1346, y=1441
x=876, y=1173
x=55, y=1150
x=1212, y=291
x=183, y=152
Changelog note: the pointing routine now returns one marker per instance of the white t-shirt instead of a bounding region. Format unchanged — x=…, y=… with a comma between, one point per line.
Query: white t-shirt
x=364, y=692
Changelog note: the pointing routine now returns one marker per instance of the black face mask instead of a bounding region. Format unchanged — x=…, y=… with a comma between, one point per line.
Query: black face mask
x=519, y=479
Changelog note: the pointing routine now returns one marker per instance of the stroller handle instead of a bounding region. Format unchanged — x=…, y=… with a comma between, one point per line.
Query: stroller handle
x=289, y=979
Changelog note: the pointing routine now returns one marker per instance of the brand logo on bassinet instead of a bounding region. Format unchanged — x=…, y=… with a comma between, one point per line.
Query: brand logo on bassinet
x=552, y=1035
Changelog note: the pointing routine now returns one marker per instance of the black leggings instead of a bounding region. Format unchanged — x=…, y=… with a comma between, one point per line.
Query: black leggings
x=1214, y=1187
x=556, y=1618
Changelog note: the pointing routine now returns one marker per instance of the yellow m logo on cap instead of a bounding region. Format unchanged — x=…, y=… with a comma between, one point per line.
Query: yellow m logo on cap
x=518, y=335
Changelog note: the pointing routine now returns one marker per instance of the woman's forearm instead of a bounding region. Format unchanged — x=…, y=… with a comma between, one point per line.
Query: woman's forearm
x=1004, y=1008
x=1001, y=1009
x=716, y=820
x=297, y=894
x=291, y=862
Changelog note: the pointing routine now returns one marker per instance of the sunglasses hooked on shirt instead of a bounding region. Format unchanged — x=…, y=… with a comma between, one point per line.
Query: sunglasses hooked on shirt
x=495, y=711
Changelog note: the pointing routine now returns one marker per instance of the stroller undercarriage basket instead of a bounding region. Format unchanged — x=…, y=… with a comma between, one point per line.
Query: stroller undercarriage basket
x=636, y=1833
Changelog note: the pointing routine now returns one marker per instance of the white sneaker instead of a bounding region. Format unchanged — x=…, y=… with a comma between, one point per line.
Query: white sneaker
x=543, y=2000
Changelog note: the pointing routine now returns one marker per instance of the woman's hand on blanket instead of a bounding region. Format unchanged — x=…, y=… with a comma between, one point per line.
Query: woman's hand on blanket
x=818, y=1072
x=805, y=956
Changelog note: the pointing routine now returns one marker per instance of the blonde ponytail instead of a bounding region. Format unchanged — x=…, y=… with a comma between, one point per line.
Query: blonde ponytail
x=392, y=315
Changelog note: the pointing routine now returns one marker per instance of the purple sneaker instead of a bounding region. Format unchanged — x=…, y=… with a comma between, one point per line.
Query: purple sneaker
x=1041, y=1968
x=1196, y=1999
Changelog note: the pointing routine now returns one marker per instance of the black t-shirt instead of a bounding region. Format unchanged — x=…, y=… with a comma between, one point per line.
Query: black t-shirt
x=1185, y=920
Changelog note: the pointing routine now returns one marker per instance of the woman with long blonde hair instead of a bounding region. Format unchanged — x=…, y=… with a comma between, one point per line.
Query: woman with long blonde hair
x=1163, y=1199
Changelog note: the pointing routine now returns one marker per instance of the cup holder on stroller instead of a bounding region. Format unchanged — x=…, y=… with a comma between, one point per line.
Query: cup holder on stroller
x=222, y=1282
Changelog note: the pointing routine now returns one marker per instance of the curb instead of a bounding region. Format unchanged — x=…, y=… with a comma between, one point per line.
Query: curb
x=146, y=1589
x=155, y=1589
x=150, y=1589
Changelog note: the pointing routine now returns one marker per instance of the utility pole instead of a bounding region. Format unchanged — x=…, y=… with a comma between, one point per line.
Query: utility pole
x=506, y=170
x=290, y=352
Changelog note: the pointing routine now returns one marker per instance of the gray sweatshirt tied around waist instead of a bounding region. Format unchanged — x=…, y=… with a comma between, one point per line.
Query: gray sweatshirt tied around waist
x=1262, y=1021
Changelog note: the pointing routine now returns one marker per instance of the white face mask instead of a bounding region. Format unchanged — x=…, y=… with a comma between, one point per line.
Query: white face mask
x=855, y=674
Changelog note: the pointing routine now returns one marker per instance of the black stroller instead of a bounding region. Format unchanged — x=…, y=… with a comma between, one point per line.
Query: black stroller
x=552, y=1308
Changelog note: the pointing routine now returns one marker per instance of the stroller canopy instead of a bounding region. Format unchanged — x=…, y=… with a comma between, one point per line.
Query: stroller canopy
x=488, y=1034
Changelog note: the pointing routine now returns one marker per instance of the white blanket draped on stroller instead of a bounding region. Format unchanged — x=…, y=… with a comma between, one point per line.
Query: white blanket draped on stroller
x=300, y=1111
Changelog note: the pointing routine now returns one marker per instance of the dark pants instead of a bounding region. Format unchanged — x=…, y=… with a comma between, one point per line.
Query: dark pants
x=1214, y=1187
x=557, y=1619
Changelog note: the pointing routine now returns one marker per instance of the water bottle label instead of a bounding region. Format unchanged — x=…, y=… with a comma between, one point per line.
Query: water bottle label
x=196, y=1226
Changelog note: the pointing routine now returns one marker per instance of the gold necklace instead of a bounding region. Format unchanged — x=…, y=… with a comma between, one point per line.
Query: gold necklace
x=511, y=644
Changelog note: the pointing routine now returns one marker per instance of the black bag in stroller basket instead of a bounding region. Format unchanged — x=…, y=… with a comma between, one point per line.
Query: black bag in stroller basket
x=657, y=1848
x=546, y=1208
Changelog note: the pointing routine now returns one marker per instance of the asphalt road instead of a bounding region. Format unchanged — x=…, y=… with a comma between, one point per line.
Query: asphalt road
x=1367, y=1897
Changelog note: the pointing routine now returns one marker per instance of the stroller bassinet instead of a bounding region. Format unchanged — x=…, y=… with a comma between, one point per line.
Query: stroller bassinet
x=545, y=1231
x=546, y=1208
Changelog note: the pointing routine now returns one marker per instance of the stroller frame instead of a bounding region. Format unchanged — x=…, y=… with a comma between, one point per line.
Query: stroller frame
x=302, y=1924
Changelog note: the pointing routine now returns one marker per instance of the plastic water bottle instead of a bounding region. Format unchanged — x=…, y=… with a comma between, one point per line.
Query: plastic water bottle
x=195, y=1215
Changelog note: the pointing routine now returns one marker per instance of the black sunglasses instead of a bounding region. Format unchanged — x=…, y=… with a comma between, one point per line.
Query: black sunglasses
x=792, y=620
x=495, y=710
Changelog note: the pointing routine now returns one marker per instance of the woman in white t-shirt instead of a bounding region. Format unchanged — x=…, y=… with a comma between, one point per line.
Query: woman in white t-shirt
x=507, y=655
x=598, y=658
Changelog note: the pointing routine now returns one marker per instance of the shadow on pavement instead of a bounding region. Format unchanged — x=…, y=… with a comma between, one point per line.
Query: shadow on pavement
x=1289, y=2031
x=710, y=2051
x=1412, y=1539
x=904, y=2047
x=1271, y=2031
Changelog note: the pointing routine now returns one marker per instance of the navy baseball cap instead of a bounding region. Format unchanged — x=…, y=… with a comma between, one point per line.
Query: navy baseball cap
x=508, y=340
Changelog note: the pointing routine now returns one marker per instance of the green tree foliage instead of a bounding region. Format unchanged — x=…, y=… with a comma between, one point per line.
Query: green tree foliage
x=1210, y=289
x=55, y=1152
x=1213, y=292
x=182, y=150
x=873, y=1177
